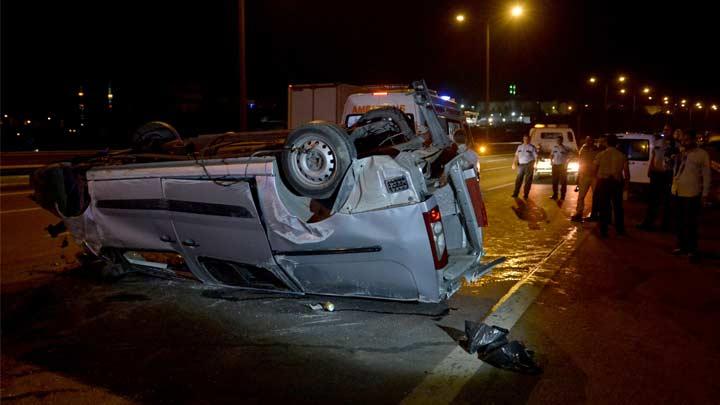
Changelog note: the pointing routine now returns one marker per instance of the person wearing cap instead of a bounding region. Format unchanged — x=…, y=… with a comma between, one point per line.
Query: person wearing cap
x=613, y=176
x=690, y=186
x=524, y=162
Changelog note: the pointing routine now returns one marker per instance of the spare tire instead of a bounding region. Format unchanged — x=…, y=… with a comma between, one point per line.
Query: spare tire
x=150, y=137
x=315, y=159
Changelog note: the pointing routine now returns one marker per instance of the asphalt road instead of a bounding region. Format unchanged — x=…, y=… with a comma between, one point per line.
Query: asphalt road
x=610, y=321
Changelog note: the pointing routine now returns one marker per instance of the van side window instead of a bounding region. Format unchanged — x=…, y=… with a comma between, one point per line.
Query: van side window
x=635, y=149
x=571, y=138
x=551, y=135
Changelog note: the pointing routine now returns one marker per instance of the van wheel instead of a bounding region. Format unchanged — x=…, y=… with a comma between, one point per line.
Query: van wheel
x=315, y=159
x=150, y=137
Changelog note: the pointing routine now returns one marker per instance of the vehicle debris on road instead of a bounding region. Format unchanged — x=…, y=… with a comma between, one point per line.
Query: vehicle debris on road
x=327, y=306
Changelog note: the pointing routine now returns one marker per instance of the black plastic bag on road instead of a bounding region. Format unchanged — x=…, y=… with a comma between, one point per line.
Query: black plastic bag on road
x=483, y=338
x=514, y=357
x=492, y=347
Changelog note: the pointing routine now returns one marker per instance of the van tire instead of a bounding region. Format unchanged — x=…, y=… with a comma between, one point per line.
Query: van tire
x=315, y=159
x=150, y=137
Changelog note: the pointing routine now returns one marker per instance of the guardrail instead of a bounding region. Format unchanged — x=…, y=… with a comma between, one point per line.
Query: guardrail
x=18, y=163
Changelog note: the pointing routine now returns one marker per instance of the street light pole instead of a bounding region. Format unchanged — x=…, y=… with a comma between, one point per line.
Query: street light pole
x=487, y=80
x=242, y=61
x=515, y=12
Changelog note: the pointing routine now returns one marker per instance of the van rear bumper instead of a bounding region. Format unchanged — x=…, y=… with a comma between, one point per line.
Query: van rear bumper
x=466, y=267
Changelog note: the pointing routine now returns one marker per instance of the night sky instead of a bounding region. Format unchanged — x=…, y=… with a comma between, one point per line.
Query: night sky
x=150, y=47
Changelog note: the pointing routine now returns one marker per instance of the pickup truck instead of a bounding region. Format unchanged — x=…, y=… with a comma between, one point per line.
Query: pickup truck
x=389, y=207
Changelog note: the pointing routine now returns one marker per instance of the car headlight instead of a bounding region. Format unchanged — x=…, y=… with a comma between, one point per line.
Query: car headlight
x=482, y=149
x=573, y=166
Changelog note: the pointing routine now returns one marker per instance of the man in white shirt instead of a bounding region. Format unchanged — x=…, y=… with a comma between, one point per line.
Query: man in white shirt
x=524, y=162
x=690, y=186
x=559, y=156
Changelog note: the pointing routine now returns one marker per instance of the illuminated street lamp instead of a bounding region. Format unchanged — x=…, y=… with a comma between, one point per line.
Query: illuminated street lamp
x=646, y=90
x=714, y=107
x=622, y=79
x=622, y=91
x=515, y=12
x=592, y=80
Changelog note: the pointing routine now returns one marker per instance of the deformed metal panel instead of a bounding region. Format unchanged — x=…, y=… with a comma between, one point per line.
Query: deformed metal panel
x=380, y=182
x=402, y=269
x=237, y=237
x=130, y=228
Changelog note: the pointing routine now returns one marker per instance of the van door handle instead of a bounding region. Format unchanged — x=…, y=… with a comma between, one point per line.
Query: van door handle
x=190, y=243
x=166, y=238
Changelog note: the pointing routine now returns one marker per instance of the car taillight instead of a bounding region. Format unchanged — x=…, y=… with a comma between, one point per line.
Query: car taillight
x=436, y=235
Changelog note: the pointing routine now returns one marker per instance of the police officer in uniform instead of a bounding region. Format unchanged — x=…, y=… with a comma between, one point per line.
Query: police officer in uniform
x=559, y=159
x=524, y=162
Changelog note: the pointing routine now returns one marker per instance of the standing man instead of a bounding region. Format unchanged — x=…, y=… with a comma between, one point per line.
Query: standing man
x=586, y=176
x=559, y=156
x=595, y=211
x=660, y=174
x=690, y=186
x=613, y=176
x=524, y=162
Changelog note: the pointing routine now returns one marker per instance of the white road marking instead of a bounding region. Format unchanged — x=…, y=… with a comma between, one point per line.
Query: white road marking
x=496, y=160
x=500, y=186
x=445, y=381
x=16, y=193
x=495, y=168
x=20, y=210
x=495, y=155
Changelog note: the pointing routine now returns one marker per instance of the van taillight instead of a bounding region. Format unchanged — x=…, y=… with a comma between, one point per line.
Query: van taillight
x=436, y=236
